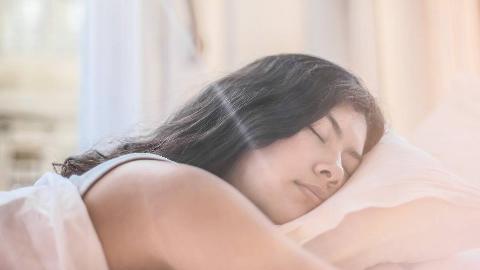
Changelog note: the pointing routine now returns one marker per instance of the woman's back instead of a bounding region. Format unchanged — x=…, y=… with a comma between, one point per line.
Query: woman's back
x=151, y=214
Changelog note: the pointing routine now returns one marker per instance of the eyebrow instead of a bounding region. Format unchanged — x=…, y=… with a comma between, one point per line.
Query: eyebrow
x=339, y=132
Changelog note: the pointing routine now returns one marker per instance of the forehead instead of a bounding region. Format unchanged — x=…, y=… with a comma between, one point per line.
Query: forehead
x=347, y=114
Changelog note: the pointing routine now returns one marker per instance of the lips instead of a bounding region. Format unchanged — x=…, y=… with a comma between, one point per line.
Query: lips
x=316, y=191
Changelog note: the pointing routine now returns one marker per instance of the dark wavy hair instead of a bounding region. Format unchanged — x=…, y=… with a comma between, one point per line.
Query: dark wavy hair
x=272, y=98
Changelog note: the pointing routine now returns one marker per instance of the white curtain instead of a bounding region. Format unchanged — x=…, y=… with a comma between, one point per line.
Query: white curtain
x=110, y=90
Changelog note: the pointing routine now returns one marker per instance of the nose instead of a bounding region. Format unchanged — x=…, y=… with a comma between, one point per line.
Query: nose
x=330, y=173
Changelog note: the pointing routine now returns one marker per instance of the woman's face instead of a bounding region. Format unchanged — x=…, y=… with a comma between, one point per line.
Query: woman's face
x=294, y=175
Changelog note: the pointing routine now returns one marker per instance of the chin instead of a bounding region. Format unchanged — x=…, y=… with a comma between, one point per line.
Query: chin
x=287, y=217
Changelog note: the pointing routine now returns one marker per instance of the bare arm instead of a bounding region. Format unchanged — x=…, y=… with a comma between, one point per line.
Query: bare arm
x=185, y=218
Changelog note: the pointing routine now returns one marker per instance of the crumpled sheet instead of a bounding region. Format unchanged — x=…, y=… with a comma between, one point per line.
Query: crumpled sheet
x=47, y=226
x=402, y=209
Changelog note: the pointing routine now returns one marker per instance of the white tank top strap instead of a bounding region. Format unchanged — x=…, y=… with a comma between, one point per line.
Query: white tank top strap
x=85, y=181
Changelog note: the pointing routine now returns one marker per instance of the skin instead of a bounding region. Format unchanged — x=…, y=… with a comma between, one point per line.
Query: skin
x=160, y=215
x=292, y=176
x=157, y=215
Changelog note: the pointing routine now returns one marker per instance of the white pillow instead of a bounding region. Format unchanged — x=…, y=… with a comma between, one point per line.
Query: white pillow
x=451, y=132
x=401, y=206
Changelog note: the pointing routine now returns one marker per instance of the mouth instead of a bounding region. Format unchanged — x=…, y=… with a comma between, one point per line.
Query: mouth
x=312, y=191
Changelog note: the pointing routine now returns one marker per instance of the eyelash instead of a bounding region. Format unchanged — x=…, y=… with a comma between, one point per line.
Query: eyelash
x=347, y=174
x=316, y=134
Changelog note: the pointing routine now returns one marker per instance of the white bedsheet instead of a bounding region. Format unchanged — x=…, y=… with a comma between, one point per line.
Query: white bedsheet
x=46, y=226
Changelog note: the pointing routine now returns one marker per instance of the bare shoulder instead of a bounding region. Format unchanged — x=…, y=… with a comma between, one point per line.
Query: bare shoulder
x=140, y=201
x=149, y=178
x=125, y=204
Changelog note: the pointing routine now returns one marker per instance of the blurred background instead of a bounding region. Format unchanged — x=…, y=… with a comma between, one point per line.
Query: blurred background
x=77, y=72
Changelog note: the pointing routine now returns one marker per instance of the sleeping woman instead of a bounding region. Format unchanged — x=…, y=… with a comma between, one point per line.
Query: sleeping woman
x=259, y=147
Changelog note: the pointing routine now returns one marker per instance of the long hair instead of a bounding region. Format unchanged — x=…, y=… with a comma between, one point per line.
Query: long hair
x=272, y=98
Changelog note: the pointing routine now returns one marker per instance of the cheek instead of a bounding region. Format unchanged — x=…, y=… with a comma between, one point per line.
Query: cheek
x=290, y=155
x=259, y=177
x=268, y=180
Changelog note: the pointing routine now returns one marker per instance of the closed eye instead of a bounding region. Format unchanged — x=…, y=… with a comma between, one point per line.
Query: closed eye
x=316, y=134
x=347, y=174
